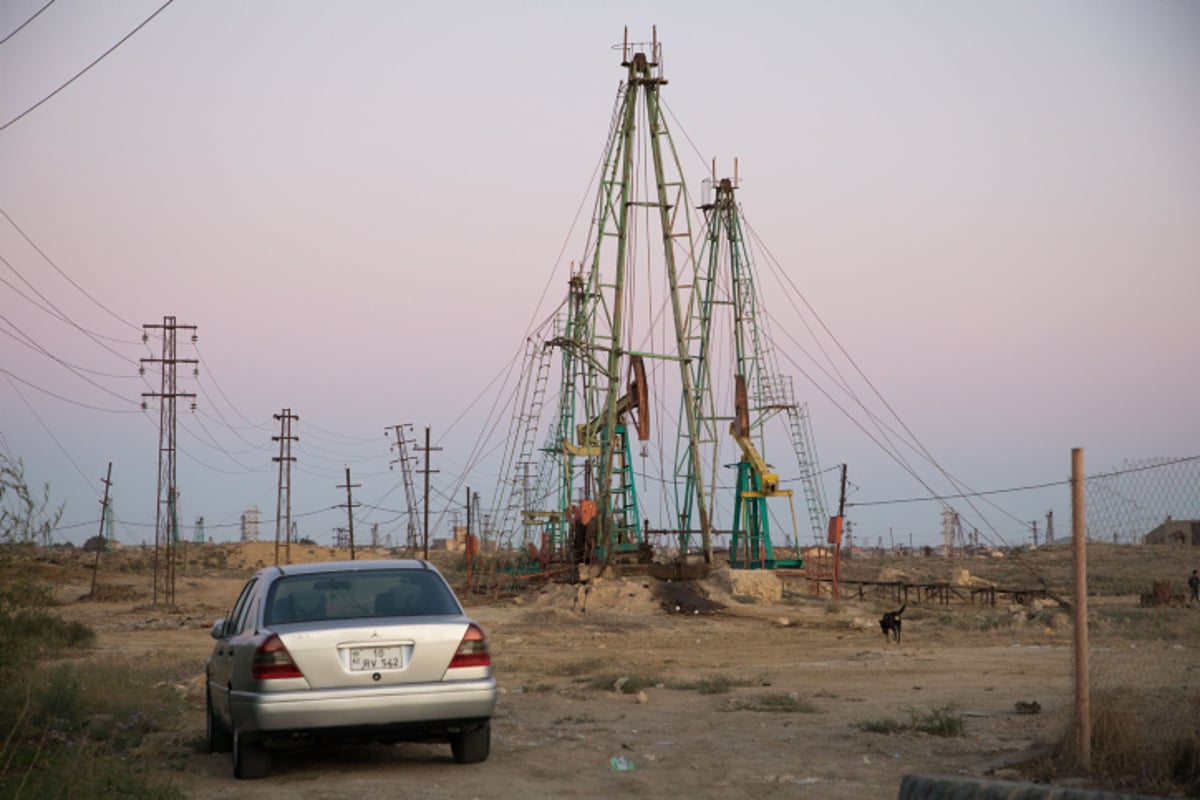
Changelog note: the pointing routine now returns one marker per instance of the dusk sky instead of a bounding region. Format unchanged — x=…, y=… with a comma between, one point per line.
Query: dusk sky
x=993, y=208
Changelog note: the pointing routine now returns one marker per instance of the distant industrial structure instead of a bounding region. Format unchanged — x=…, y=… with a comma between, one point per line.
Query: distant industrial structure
x=1175, y=531
x=250, y=524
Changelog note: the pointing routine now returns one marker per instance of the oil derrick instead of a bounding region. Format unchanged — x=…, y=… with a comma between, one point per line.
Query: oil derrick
x=636, y=332
x=726, y=293
x=166, y=528
x=604, y=379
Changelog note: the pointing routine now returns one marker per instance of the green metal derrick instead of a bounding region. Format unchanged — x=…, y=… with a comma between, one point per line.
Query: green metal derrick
x=604, y=356
x=725, y=284
x=595, y=347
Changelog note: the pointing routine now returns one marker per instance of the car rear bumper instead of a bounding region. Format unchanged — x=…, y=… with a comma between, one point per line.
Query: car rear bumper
x=344, y=708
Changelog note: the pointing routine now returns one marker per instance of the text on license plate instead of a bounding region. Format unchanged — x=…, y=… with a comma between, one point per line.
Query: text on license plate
x=371, y=658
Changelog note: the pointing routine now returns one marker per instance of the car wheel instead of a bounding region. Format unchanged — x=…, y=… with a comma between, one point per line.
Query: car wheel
x=250, y=759
x=219, y=740
x=473, y=745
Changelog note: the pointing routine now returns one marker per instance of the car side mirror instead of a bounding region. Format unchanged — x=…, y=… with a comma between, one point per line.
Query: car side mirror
x=218, y=629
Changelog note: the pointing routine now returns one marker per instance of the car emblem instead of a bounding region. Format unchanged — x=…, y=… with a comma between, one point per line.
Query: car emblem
x=375, y=634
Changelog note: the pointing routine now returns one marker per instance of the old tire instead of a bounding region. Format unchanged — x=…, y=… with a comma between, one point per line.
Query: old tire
x=472, y=745
x=219, y=740
x=250, y=759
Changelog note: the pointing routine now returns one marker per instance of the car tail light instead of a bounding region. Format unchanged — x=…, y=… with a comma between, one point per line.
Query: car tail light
x=472, y=650
x=272, y=660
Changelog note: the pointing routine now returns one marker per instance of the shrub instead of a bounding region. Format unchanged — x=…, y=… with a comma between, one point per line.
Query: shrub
x=711, y=684
x=60, y=707
x=942, y=721
x=630, y=683
x=886, y=726
x=775, y=701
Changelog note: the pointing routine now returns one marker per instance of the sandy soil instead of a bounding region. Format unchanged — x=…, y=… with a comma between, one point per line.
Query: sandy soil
x=556, y=733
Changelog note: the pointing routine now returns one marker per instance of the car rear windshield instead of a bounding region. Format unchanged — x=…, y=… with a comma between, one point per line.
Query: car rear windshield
x=359, y=594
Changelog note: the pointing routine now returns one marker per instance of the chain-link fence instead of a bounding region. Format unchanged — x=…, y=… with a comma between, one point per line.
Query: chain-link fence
x=1127, y=503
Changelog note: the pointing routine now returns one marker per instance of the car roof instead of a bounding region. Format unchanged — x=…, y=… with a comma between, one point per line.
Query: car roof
x=319, y=567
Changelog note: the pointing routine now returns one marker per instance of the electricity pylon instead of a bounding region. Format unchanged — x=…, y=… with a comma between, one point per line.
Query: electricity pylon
x=166, y=528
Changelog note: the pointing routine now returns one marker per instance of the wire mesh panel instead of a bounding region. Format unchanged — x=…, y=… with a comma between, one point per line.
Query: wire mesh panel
x=1126, y=505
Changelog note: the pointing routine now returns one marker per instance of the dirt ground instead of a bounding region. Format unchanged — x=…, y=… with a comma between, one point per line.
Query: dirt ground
x=563, y=730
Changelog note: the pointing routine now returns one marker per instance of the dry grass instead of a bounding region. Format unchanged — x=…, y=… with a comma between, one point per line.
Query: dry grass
x=771, y=702
x=945, y=721
x=1141, y=742
x=80, y=729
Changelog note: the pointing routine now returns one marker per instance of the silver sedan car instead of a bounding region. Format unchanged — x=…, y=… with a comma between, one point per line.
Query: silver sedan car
x=349, y=650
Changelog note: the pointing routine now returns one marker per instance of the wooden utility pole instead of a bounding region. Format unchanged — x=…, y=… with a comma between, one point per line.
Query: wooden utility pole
x=835, y=537
x=350, y=504
x=1083, y=711
x=427, y=471
x=285, y=459
x=103, y=517
x=467, y=538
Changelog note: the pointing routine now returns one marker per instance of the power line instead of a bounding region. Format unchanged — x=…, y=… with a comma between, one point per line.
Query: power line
x=28, y=341
x=208, y=372
x=1031, y=487
x=77, y=75
x=45, y=427
x=66, y=277
x=941, y=498
x=26, y=22
x=57, y=312
x=15, y=377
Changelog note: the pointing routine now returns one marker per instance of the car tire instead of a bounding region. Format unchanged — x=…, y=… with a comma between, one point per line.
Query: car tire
x=472, y=745
x=250, y=759
x=219, y=740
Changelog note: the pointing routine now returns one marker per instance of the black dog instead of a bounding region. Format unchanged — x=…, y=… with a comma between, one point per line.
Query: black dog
x=891, y=622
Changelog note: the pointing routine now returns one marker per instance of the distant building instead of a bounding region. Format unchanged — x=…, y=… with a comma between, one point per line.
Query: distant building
x=250, y=524
x=1175, y=531
x=459, y=542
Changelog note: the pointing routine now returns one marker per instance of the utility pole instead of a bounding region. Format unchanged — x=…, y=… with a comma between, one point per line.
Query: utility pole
x=835, y=536
x=410, y=491
x=1083, y=703
x=285, y=459
x=103, y=516
x=1050, y=526
x=426, y=472
x=1035, y=532
x=167, y=494
x=467, y=540
x=350, y=505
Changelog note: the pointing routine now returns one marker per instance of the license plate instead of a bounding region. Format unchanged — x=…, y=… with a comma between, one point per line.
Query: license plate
x=373, y=658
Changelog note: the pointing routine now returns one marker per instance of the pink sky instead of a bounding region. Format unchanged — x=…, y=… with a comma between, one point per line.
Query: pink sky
x=993, y=206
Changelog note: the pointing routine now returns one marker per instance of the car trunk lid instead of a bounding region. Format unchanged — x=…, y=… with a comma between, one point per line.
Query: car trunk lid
x=352, y=654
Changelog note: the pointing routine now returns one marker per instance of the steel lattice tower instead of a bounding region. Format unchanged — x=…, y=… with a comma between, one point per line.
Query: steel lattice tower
x=166, y=528
x=604, y=353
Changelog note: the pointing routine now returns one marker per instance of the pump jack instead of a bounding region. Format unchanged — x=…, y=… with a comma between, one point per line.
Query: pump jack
x=625, y=519
x=756, y=481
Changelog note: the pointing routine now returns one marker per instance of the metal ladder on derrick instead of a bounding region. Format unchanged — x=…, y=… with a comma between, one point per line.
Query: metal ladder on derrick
x=524, y=431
